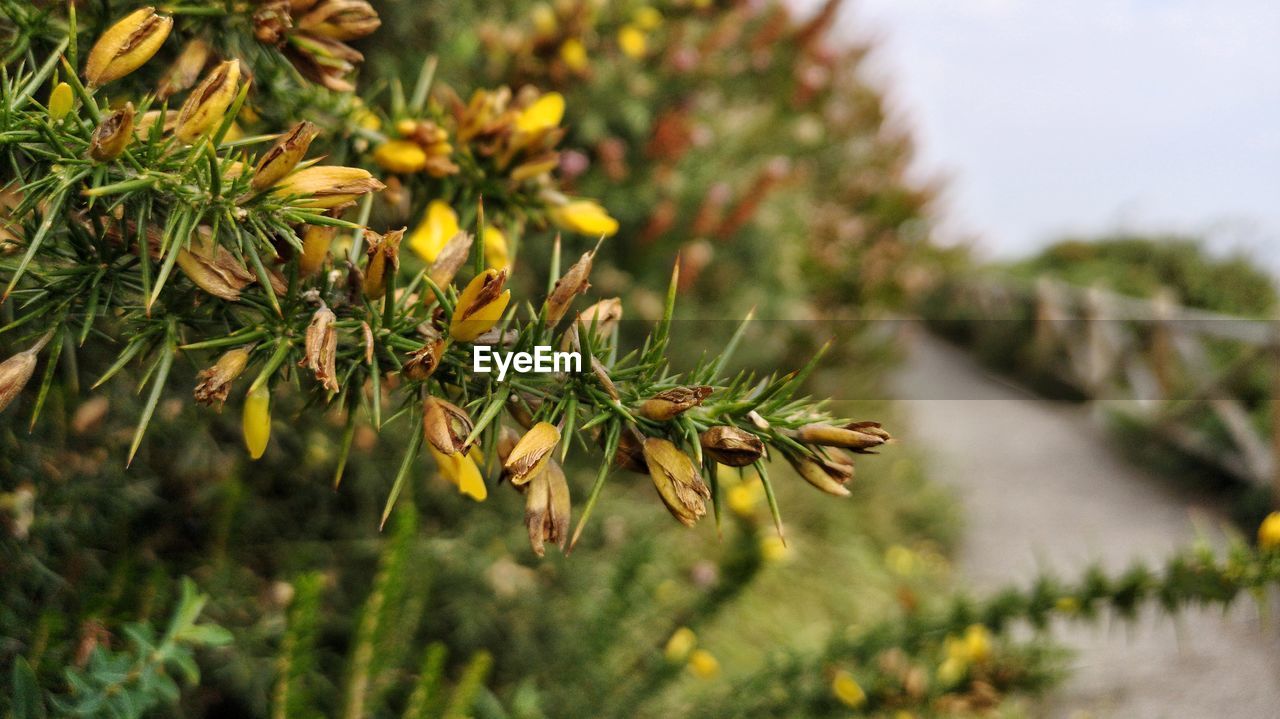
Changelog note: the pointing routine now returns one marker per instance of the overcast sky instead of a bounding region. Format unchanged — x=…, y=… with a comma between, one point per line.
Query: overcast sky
x=1050, y=117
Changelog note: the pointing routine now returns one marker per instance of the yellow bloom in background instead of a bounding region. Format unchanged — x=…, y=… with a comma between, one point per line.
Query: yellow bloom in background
x=401, y=156
x=479, y=308
x=60, y=101
x=462, y=471
x=848, y=690
x=900, y=560
x=680, y=645
x=952, y=671
x=632, y=41
x=586, y=217
x=1067, y=605
x=497, y=255
x=703, y=664
x=647, y=18
x=744, y=497
x=544, y=114
x=544, y=19
x=977, y=643
x=574, y=54
x=256, y=421
x=364, y=117
x=1269, y=532
x=773, y=549
x=439, y=224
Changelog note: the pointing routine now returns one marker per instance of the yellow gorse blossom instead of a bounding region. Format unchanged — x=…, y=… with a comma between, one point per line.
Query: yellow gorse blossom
x=316, y=240
x=848, y=690
x=703, y=664
x=530, y=455
x=632, y=42
x=284, y=155
x=544, y=114
x=574, y=54
x=126, y=46
x=480, y=306
x=585, y=217
x=647, y=18
x=256, y=420
x=497, y=255
x=462, y=471
x=207, y=105
x=680, y=645
x=60, y=101
x=439, y=224
x=327, y=187
x=1269, y=532
x=400, y=156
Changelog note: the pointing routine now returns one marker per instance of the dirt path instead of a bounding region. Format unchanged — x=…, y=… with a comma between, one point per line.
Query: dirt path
x=1042, y=487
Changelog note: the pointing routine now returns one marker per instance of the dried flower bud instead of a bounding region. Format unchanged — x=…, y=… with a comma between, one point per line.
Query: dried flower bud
x=213, y=384
x=665, y=405
x=531, y=454
x=450, y=259
x=585, y=217
x=829, y=473
x=462, y=471
x=480, y=305
x=112, y=135
x=256, y=421
x=207, y=105
x=322, y=348
x=185, y=70
x=602, y=375
x=272, y=21
x=283, y=156
x=341, y=19
x=732, y=446
x=214, y=269
x=446, y=426
x=126, y=46
x=423, y=362
x=546, y=509
x=630, y=454
x=316, y=240
x=601, y=317
x=61, y=99
x=327, y=187
x=142, y=126
x=323, y=60
x=570, y=285
x=16, y=371
x=677, y=480
x=383, y=252
x=857, y=436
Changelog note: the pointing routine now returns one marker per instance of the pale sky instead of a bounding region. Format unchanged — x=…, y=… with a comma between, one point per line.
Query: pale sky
x=1087, y=115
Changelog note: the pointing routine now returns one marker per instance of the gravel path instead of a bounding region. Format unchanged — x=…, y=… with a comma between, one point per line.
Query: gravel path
x=1043, y=488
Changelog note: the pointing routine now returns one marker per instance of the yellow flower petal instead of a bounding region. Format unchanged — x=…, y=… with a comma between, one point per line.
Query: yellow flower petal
x=496, y=254
x=544, y=114
x=632, y=42
x=704, y=664
x=256, y=421
x=439, y=224
x=574, y=54
x=400, y=156
x=1269, y=532
x=848, y=690
x=584, y=216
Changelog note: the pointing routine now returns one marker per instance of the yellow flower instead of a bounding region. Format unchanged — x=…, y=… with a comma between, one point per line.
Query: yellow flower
x=773, y=549
x=327, y=187
x=496, y=254
x=647, y=18
x=744, y=497
x=1269, y=532
x=400, y=156
x=574, y=54
x=364, y=117
x=681, y=643
x=283, y=156
x=951, y=671
x=703, y=664
x=208, y=102
x=848, y=690
x=316, y=240
x=256, y=421
x=900, y=560
x=632, y=42
x=584, y=216
x=60, y=101
x=126, y=46
x=677, y=480
x=1067, y=605
x=112, y=135
x=544, y=114
x=531, y=454
x=544, y=19
x=480, y=306
x=462, y=471
x=439, y=225
x=977, y=643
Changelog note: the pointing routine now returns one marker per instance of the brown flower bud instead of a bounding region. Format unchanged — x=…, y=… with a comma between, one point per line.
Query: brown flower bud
x=322, y=348
x=732, y=446
x=829, y=473
x=857, y=436
x=214, y=383
x=422, y=363
x=677, y=480
x=126, y=46
x=446, y=426
x=451, y=259
x=546, y=508
x=573, y=283
x=272, y=21
x=531, y=454
x=207, y=105
x=316, y=240
x=16, y=371
x=630, y=454
x=341, y=20
x=327, y=187
x=185, y=70
x=384, y=258
x=214, y=269
x=600, y=318
x=323, y=60
x=283, y=156
x=665, y=405
x=112, y=135
x=480, y=305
